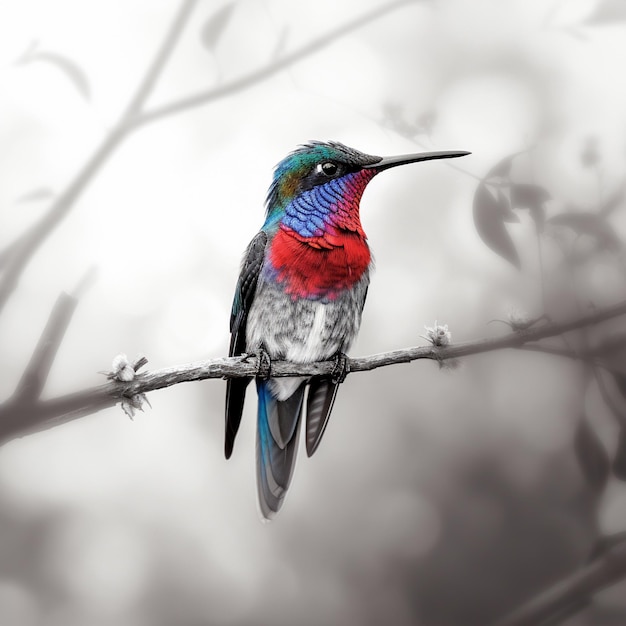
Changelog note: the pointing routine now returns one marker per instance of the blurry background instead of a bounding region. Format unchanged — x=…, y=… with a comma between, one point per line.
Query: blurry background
x=439, y=497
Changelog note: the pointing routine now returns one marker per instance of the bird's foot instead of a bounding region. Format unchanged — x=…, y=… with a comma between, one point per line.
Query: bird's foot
x=341, y=369
x=265, y=364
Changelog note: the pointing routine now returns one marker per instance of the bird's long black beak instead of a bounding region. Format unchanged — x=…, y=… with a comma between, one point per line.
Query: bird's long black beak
x=387, y=162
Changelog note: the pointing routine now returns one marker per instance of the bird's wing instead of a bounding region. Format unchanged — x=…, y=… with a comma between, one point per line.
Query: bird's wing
x=244, y=295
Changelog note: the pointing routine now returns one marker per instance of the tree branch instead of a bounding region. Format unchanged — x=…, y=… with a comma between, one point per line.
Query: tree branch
x=36, y=373
x=163, y=54
x=22, y=250
x=258, y=75
x=18, y=418
x=17, y=255
x=572, y=592
x=26, y=246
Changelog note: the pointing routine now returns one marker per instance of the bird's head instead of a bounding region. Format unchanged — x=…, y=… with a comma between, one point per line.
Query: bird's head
x=335, y=171
x=331, y=176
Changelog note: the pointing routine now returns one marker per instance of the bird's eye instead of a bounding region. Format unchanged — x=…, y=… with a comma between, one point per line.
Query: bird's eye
x=329, y=168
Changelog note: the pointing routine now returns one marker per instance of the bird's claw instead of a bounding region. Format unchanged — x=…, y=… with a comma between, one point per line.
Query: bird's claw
x=341, y=369
x=265, y=364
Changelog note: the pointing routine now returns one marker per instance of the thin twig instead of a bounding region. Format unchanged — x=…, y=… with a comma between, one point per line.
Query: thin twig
x=34, y=378
x=572, y=591
x=32, y=239
x=36, y=373
x=160, y=60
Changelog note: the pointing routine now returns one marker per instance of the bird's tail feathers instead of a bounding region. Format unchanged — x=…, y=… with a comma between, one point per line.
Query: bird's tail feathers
x=322, y=393
x=278, y=429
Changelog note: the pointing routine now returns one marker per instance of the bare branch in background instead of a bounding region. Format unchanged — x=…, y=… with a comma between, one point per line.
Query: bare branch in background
x=22, y=250
x=160, y=60
x=572, y=594
x=277, y=65
x=36, y=373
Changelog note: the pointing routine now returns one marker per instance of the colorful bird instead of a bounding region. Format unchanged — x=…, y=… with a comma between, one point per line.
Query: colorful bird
x=300, y=296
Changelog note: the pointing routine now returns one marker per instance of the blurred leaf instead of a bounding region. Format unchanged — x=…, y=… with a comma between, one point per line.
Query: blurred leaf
x=608, y=11
x=215, y=26
x=591, y=455
x=613, y=201
x=502, y=169
x=511, y=218
x=531, y=197
x=619, y=460
x=41, y=193
x=490, y=214
x=592, y=224
x=32, y=46
x=69, y=67
x=525, y=196
x=508, y=215
x=501, y=194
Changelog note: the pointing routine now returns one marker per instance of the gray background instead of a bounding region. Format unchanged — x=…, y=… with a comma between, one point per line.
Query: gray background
x=437, y=497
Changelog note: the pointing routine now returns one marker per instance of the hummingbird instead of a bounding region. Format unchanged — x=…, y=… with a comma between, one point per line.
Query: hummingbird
x=299, y=297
